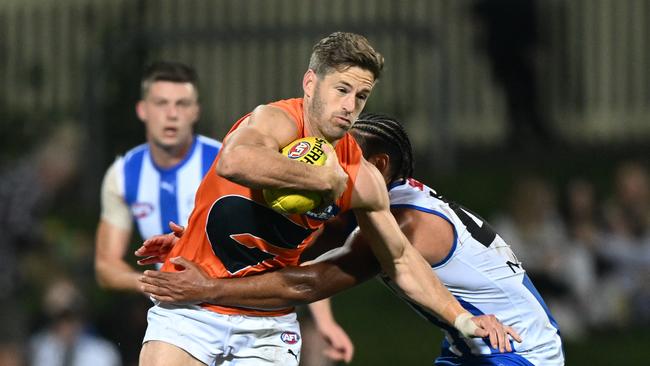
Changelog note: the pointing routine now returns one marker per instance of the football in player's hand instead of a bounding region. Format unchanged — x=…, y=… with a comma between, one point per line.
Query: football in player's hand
x=308, y=150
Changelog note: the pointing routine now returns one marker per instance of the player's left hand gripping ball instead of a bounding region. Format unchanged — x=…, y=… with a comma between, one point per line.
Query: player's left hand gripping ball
x=308, y=150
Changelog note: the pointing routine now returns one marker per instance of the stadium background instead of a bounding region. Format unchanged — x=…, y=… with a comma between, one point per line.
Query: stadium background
x=78, y=62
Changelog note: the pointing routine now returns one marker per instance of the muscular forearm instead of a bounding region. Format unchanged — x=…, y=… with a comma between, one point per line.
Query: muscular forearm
x=415, y=277
x=257, y=167
x=281, y=289
x=410, y=271
x=275, y=290
x=287, y=287
x=290, y=286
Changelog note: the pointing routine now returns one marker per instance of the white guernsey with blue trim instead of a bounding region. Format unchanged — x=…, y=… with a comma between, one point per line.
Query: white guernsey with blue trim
x=482, y=272
x=154, y=195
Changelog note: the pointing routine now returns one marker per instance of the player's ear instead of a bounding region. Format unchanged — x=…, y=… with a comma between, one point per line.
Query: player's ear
x=198, y=113
x=309, y=82
x=381, y=161
x=197, y=106
x=140, y=111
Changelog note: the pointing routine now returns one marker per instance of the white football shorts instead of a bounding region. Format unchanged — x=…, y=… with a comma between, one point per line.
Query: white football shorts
x=220, y=339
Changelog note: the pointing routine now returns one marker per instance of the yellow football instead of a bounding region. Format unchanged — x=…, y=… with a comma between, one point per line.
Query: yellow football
x=308, y=150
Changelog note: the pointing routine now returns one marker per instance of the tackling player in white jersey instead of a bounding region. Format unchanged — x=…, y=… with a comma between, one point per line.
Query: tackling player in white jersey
x=475, y=264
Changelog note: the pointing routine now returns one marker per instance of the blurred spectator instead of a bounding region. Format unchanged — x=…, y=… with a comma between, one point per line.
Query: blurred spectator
x=581, y=213
x=627, y=246
x=27, y=187
x=65, y=341
x=536, y=232
x=510, y=39
x=628, y=211
x=533, y=228
x=585, y=233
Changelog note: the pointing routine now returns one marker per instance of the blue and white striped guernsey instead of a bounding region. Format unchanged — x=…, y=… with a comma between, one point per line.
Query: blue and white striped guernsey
x=156, y=195
x=484, y=275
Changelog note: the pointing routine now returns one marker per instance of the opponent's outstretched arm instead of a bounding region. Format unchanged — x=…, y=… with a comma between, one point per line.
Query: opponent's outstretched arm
x=333, y=272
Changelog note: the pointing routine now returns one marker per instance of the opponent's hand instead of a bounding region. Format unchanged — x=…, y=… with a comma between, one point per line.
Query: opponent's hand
x=338, y=177
x=188, y=286
x=156, y=248
x=339, y=345
x=485, y=326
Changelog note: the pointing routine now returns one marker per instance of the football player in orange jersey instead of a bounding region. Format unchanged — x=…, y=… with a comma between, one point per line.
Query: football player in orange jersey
x=473, y=261
x=232, y=233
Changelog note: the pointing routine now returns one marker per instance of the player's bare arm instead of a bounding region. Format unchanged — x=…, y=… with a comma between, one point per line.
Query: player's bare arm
x=341, y=268
x=251, y=157
x=113, y=238
x=333, y=272
x=111, y=270
x=398, y=258
x=433, y=237
x=339, y=346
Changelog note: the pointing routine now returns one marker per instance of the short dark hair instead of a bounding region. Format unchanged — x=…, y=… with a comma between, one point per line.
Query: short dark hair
x=341, y=50
x=379, y=133
x=176, y=72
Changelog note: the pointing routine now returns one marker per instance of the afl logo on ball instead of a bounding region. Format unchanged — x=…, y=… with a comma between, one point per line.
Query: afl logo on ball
x=290, y=337
x=299, y=150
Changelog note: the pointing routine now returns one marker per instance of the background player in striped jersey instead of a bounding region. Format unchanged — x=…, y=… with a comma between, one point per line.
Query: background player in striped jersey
x=475, y=264
x=155, y=182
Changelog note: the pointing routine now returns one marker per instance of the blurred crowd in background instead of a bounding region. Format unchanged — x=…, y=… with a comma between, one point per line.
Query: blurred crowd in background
x=588, y=255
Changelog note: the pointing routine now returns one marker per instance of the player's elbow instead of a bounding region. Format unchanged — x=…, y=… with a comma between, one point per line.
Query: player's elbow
x=101, y=274
x=229, y=165
x=104, y=274
x=304, y=291
x=304, y=294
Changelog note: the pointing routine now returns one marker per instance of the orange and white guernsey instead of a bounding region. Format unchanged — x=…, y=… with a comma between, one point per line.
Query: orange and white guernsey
x=233, y=233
